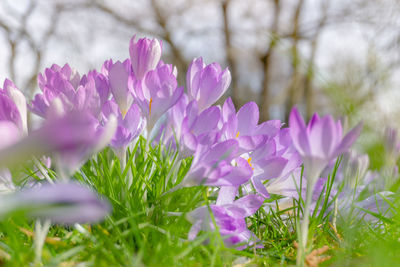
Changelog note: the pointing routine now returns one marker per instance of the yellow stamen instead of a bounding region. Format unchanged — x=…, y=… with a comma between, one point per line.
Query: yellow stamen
x=124, y=113
x=151, y=101
x=237, y=135
x=249, y=161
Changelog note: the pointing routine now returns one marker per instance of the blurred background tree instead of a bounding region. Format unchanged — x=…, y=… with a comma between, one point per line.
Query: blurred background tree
x=333, y=56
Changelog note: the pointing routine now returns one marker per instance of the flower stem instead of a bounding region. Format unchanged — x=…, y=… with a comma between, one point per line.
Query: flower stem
x=301, y=252
x=42, y=170
x=121, y=154
x=40, y=236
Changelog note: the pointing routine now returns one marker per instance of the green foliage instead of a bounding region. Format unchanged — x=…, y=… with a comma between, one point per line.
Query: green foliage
x=148, y=225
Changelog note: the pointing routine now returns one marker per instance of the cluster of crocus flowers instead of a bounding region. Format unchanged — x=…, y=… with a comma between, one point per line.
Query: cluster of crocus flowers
x=73, y=136
x=242, y=161
x=69, y=136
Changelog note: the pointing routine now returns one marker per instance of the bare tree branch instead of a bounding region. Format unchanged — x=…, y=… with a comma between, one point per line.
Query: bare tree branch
x=266, y=60
x=179, y=59
x=294, y=92
x=308, y=81
x=130, y=22
x=230, y=58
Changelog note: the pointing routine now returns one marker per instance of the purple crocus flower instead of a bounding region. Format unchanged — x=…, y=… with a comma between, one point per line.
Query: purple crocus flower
x=230, y=219
x=9, y=111
x=172, y=128
x=157, y=93
x=243, y=126
x=64, y=203
x=317, y=143
x=273, y=164
x=145, y=55
x=129, y=126
x=206, y=84
x=15, y=111
x=190, y=127
x=213, y=166
x=72, y=137
x=320, y=141
x=13, y=126
x=75, y=93
x=118, y=74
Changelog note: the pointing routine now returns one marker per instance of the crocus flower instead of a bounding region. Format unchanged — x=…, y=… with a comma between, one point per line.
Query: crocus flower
x=317, y=143
x=273, y=165
x=230, y=219
x=157, y=94
x=172, y=128
x=145, y=55
x=18, y=116
x=320, y=141
x=118, y=74
x=206, y=84
x=64, y=203
x=213, y=166
x=129, y=126
x=72, y=137
x=190, y=127
x=244, y=126
x=13, y=107
x=75, y=93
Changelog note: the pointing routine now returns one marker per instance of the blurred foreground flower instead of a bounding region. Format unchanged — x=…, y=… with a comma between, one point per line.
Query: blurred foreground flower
x=64, y=203
x=73, y=137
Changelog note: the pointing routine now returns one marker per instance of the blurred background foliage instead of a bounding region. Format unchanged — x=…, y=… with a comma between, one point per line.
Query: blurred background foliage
x=331, y=56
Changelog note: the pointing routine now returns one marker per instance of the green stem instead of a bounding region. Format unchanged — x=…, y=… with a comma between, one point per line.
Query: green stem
x=42, y=170
x=301, y=252
x=121, y=154
x=40, y=236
